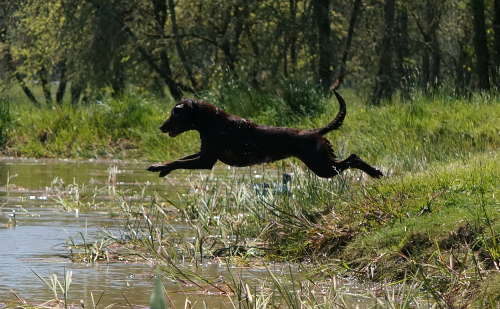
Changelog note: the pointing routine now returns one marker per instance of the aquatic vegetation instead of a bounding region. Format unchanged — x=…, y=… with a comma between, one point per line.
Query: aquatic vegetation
x=55, y=285
x=400, y=228
x=7, y=220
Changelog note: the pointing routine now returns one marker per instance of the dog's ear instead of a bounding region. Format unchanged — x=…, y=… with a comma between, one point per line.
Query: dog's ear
x=177, y=109
x=192, y=103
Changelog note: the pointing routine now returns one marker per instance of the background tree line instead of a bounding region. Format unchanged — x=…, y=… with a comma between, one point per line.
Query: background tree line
x=176, y=47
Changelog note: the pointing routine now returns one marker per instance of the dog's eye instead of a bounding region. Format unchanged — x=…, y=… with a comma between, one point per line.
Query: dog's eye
x=176, y=109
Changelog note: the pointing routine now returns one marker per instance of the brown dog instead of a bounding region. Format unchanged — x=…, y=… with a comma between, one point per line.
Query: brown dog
x=239, y=142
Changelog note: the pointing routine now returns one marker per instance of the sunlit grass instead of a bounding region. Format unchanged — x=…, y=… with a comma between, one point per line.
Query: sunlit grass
x=399, y=136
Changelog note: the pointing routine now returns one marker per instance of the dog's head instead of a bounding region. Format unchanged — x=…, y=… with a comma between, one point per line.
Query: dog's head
x=182, y=118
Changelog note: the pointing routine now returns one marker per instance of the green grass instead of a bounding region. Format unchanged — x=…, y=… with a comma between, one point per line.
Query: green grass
x=400, y=137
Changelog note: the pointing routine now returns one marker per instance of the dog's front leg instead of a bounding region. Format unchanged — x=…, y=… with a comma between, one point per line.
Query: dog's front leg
x=189, y=162
x=159, y=167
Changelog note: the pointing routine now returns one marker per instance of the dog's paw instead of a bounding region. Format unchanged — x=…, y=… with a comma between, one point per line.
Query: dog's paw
x=376, y=173
x=164, y=173
x=156, y=168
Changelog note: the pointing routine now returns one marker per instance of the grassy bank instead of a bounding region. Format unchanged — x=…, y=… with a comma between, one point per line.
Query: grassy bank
x=434, y=219
x=399, y=136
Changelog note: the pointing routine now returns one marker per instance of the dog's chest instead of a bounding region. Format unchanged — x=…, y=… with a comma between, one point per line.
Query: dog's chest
x=243, y=158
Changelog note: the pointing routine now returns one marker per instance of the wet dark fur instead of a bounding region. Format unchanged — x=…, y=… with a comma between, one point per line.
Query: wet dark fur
x=239, y=142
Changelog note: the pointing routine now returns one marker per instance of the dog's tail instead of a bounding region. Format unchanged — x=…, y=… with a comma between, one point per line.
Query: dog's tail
x=339, y=119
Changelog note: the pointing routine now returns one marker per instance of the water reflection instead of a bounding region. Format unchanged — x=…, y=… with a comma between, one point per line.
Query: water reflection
x=39, y=241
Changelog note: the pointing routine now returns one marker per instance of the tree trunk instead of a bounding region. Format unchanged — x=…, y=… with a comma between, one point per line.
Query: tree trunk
x=166, y=74
x=180, y=50
x=117, y=81
x=176, y=88
x=161, y=16
x=45, y=85
x=241, y=14
x=431, y=53
x=385, y=86
x=463, y=75
x=481, y=45
x=76, y=91
x=231, y=41
x=321, y=15
x=403, y=53
x=26, y=89
x=436, y=61
x=104, y=52
x=12, y=67
x=294, y=35
x=496, y=38
x=355, y=12
x=426, y=69
x=63, y=81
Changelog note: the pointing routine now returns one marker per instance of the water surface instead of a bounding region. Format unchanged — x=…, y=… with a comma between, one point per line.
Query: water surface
x=39, y=242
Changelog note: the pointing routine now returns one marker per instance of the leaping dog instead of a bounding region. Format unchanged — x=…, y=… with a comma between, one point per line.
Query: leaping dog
x=240, y=142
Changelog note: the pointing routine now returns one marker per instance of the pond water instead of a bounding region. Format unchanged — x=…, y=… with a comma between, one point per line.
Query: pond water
x=39, y=242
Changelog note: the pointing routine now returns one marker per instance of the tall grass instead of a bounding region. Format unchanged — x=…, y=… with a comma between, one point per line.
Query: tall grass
x=437, y=227
x=399, y=136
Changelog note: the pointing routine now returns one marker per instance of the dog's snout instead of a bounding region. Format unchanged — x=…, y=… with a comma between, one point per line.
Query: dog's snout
x=164, y=127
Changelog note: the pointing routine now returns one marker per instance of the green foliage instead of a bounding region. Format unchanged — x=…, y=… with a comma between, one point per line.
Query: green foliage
x=238, y=97
x=284, y=105
x=302, y=97
x=6, y=122
x=409, y=136
x=103, y=47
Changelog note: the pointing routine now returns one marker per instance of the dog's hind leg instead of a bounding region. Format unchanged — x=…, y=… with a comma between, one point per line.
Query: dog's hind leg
x=353, y=161
x=328, y=168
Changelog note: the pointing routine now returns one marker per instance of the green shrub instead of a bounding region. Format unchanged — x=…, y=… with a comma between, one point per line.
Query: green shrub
x=6, y=120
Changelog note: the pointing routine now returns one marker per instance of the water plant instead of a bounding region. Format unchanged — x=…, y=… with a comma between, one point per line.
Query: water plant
x=55, y=285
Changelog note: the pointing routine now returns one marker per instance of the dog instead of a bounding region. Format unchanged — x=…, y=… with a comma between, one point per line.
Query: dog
x=239, y=142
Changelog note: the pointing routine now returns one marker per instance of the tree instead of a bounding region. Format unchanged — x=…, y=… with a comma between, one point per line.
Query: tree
x=7, y=20
x=384, y=84
x=178, y=45
x=496, y=31
x=431, y=52
x=402, y=51
x=96, y=47
x=321, y=15
x=481, y=45
x=354, y=16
